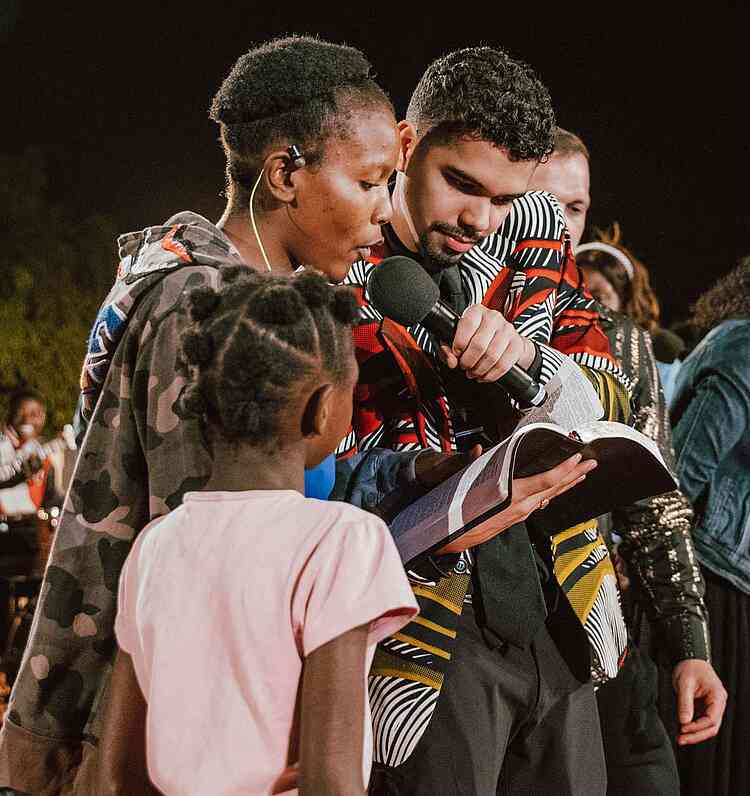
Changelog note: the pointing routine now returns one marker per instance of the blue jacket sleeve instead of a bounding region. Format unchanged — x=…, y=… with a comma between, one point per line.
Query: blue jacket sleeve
x=366, y=478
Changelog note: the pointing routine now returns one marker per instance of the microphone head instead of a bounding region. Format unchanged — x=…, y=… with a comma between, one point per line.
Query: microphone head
x=402, y=290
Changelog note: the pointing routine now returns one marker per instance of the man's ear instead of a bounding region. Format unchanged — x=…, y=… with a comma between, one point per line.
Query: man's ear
x=281, y=176
x=317, y=411
x=408, y=140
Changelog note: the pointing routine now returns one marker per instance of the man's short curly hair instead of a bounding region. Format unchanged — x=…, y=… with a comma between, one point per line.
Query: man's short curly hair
x=483, y=93
x=254, y=340
x=294, y=90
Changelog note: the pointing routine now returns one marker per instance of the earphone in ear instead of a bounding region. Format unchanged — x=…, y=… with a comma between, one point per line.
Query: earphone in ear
x=297, y=162
x=296, y=156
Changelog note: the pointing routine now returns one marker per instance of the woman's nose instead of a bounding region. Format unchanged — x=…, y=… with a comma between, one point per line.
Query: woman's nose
x=383, y=208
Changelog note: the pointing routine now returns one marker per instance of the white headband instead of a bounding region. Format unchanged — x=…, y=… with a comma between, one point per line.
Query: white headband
x=597, y=246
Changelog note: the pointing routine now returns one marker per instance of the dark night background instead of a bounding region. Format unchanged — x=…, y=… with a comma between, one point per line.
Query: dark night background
x=113, y=99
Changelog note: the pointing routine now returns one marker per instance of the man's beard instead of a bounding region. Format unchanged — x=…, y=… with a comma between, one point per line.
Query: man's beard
x=437, y=255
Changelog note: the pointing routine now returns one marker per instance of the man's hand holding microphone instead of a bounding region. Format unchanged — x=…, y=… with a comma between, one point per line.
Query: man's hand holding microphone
x=488, y=349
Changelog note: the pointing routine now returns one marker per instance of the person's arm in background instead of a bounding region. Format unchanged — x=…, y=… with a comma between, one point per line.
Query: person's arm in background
x=657, y=544
x=658, y=549
x=52, y=496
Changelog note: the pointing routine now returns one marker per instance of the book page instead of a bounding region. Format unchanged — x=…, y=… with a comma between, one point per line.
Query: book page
x=542, y=447
x=630, y=468
x=447, y=508
x=589, y=432
x=571, y=400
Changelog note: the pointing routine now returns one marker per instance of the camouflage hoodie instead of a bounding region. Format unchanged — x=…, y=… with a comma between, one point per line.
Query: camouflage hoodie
x=137, y=460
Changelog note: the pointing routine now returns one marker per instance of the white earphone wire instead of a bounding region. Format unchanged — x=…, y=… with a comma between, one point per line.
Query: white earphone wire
x=252, y=221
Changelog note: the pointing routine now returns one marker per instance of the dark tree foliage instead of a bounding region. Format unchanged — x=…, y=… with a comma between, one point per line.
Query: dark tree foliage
x=54, y=273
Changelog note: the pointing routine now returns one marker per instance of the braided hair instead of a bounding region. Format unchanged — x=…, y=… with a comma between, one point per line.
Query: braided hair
x=256, y=337
x=483, y=93
x=292, y=90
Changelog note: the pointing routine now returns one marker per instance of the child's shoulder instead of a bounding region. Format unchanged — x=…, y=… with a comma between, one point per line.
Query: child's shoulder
x=338, y=511
x=334, y=523
x=163, y=522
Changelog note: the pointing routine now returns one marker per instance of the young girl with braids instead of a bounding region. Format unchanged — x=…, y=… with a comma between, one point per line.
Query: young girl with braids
x=268, y=601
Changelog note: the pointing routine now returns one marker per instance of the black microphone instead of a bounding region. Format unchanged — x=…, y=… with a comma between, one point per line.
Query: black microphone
x=402, y=290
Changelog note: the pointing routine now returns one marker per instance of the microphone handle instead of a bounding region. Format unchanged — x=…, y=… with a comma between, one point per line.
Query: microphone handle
x=522, y=387
x=442, y=321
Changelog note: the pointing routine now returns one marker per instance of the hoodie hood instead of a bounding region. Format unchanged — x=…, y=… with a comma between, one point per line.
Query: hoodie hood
x=184, y=239
x=146, y=257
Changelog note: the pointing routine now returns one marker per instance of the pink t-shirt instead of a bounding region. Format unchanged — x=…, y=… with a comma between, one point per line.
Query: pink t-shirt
x=220, y=601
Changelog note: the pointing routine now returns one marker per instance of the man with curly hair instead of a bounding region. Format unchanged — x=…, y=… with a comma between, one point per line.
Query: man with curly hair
x=484, y=690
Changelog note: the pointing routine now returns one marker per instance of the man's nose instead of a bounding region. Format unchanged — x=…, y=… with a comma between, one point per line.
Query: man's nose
x=477, y=216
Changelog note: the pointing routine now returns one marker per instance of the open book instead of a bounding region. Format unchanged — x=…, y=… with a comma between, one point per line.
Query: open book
x=630, y=468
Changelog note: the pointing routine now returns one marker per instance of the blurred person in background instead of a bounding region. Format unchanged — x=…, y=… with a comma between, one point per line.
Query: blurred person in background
x=711, y=420
x=27, y=481
x=655, y=558
x=28, y=487
x=621, y=283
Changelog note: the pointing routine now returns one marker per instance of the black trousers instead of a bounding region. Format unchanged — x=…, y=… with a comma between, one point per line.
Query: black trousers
x=721, y=765
x=638, y=751
x=508, y=721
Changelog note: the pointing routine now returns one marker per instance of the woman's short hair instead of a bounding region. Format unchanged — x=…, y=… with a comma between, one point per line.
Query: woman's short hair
x=294, y=90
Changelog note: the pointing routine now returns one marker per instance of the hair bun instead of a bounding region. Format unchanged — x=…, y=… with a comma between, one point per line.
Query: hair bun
x=279, y=304
x=313, y=287
x=202, y=301
x=345, y=308
x=231, y=273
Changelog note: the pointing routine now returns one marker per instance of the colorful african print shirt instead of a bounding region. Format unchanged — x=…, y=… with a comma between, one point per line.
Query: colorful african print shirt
x=525, y=271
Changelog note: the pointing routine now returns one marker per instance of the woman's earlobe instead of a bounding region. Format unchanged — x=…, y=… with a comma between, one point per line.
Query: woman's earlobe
x=280, y=174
